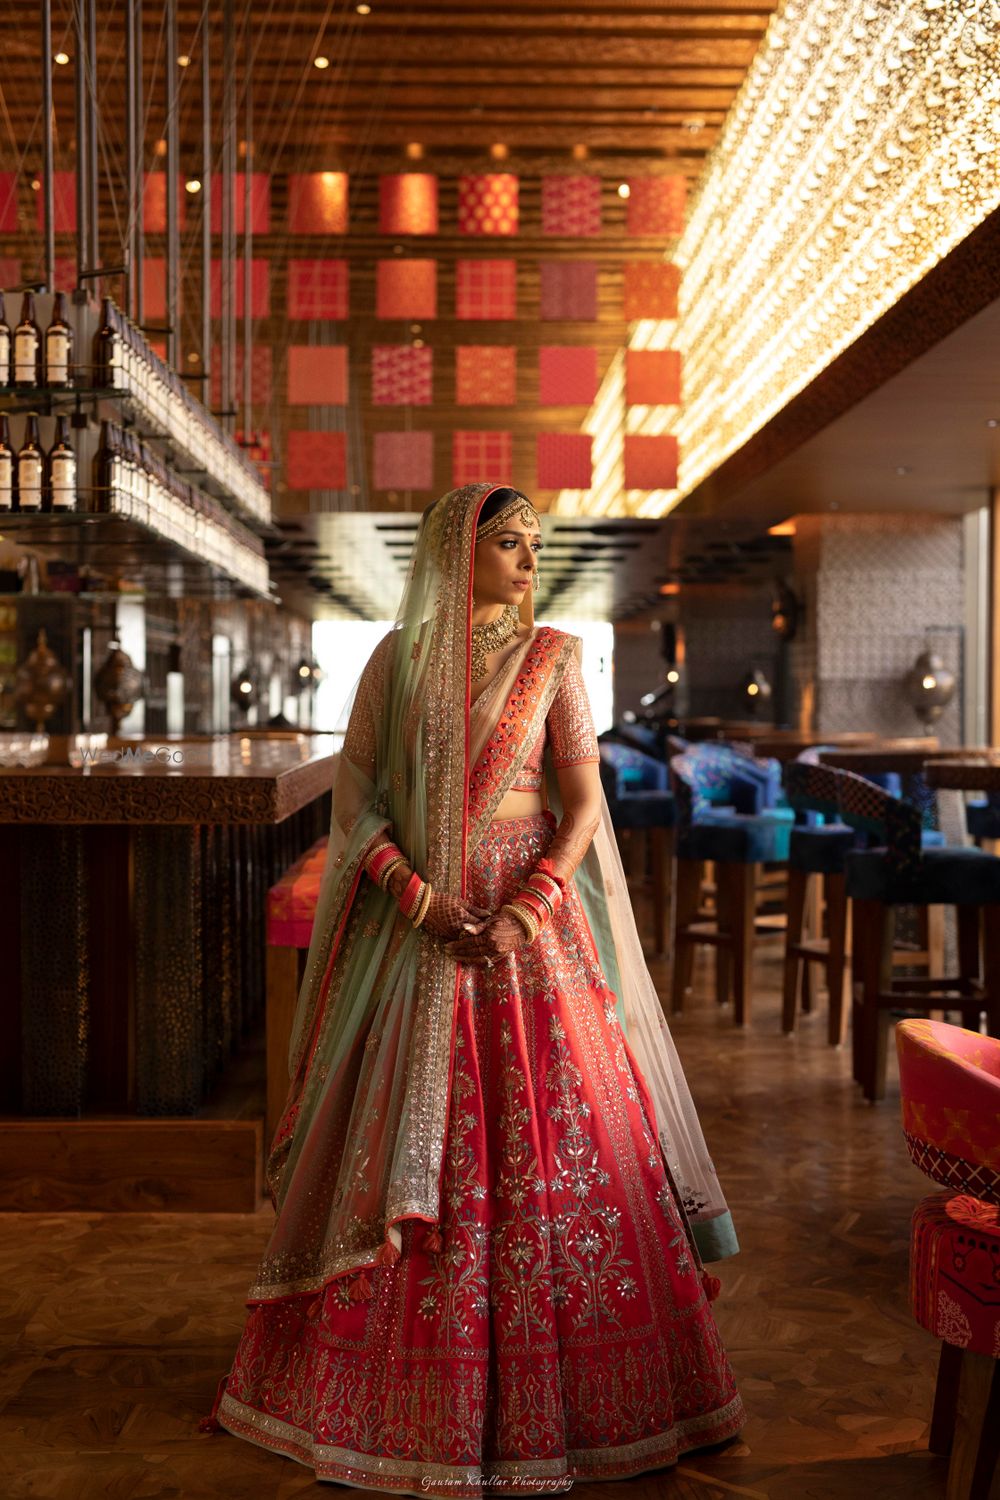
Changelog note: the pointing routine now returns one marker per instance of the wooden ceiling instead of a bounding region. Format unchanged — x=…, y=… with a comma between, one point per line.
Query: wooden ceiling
x=616, y=88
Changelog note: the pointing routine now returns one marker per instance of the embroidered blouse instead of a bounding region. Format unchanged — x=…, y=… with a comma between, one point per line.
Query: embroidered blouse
x=568, y=728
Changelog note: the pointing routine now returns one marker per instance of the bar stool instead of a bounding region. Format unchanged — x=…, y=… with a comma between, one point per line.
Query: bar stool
x=949, y=1083
x=291, y=907
x=640, y=802
x=711, y=783
x=903, y=874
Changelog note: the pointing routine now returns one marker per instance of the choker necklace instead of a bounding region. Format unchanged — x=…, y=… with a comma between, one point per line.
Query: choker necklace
x=492, y=637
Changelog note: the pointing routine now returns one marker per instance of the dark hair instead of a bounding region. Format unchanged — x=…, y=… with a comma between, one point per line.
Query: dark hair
x=496, y=502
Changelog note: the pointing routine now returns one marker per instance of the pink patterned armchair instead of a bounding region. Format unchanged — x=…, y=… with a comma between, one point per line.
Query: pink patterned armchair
x=950, y=1087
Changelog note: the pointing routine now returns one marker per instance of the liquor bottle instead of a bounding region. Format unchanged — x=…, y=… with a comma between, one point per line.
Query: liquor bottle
x=30, y=467
x=62, y=469
x=104, y=470
x=59, y=346
x=6, y=349
x=27, y=347
x=6, y=466
x=108, y=350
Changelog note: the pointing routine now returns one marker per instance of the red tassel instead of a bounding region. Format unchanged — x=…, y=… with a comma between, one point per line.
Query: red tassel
x=388, y=1254
x=433, y=1241
x=209, y=1423
x=361, y=1289
x=711, y=1286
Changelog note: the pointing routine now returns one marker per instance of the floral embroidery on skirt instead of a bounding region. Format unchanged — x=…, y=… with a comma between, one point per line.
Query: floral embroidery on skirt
x=560, y=1330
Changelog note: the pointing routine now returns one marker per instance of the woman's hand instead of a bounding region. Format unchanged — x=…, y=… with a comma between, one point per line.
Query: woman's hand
x=448, y=917
x=493, y=941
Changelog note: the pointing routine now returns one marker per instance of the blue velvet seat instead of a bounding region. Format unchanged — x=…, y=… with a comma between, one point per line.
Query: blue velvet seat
x=983, y=819
x=639, y=799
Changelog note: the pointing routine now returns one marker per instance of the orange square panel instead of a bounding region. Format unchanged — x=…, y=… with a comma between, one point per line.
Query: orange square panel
x=650, y=461
x=317, y=375
x=154, y=203
x=567, y=375
x=652, y=377
x=651, y=288
x=408, y=204
x=481, y=456
x=488, y=204
x=316, y=460
x=656, y=205
x=406, y=289
x=317, y=202
x=485, y=375
x=64, y=195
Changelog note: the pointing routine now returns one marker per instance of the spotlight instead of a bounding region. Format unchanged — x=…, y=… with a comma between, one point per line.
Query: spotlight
x=192, y=185
x=321, y=63
x=184, y=61
x=756, y=688
x=931, y=687
x=624, y=190
x=62, y=58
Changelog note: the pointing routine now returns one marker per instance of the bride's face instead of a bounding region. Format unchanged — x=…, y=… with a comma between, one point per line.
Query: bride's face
x=504, y=564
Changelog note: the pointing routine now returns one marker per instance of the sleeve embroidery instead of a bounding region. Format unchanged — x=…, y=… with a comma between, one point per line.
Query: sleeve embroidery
x=570, y=722
x=361, y=739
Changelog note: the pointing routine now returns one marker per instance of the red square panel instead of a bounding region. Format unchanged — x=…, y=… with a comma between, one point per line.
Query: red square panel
x=154, y=203
x=317, y=202
x=481, y=455
x=650, y=461
x=485, y=375
x=317, y=289
x=656, y=205
x=408, y=204
x=403, y=461
x=64, y=196
x=10, y=275
x=261, y=369
x=259, y=450
x=317, y=375
x=652, y=377
x=651, y=288
x=564, y=461
x=65, y=269
x=154, y=288
x=485, y=289
x=571, y=205
x=569, y=291
x=8, y=205
x=567, y=375
x=401, y=375
x=260, y=203
x=317, y=461
x=488, y=204
x=260, y=288
x=406, y=288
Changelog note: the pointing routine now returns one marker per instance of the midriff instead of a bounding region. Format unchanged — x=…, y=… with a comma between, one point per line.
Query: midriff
x=518, y=805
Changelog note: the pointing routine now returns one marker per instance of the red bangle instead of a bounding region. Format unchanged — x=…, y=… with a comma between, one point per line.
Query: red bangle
x=407, y=900
x=544, y=867
x=534, y=903
x=377, y=862
x=545, y=886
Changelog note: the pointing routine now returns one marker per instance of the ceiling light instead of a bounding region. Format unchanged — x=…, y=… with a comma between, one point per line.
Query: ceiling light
x=363, y=10
x=36, y=185
x=993, y=421
x=161, y=148
x=581, y=152
x=321, y=62
x=184, y=61
x=193, y=358
x=192, y=185
x=499, y=151
x=414, y=150
x=623, y=190
x=62, y=58
x=783, y=528
x=903, y=469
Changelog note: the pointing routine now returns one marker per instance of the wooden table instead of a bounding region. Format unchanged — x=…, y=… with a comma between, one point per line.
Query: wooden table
x=907, y=756
x=786, y=744
x=132, y=929
x=966, y=771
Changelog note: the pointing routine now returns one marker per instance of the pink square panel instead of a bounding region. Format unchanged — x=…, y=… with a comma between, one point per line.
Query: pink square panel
x=485, y=289
x=564, y=461
x=317, y=375
x=567, y=375
x=651, y=288
x=64, y=196
x=403, y=461
x=8, y=205
x=650, y=461
x=316, y=460
x=317, y=289
x=485, y=375
x=401, y=375
x=488, y=204
x=569, y=291
x=260, y=203
x=261, y=370
x=406, y=288
x=652, y=377
x=656, y=205
x=260, y=288
x=571, y=205
x=408, y=203
x=481, y=456
x=317, y=202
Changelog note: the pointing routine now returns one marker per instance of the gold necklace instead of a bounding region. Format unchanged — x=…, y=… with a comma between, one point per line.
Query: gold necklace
x=492, y=637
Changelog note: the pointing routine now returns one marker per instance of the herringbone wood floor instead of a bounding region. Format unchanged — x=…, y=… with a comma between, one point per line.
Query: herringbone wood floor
x=116, y=1328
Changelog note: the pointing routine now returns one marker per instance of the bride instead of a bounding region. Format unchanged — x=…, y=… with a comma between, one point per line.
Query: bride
x=493, y=1196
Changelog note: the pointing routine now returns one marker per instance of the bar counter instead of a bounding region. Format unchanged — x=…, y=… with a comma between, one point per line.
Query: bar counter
x=132, y=969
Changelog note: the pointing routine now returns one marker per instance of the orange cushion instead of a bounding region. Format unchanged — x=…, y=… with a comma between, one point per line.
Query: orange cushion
x=291, y=903
x=950, y=1087
x=955, y=1271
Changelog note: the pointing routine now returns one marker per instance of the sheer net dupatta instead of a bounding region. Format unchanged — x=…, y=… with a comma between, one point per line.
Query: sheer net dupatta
x=361, y=1140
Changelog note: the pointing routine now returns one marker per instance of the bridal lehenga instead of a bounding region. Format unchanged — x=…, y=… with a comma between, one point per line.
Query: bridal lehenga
x=493, y=1198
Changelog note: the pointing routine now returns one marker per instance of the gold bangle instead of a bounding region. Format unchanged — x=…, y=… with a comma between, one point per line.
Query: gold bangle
x=391, y=867
x=527, y=919
x=425, y=901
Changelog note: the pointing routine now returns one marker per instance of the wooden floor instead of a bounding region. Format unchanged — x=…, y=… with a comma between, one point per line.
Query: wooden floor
x=116, y=1328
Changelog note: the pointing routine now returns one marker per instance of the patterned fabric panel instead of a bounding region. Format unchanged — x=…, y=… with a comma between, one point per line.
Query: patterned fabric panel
x=955, y=1271
x=949, y=1080
x=408, y=203
x=865, y=806
x=954, y=1172
x=571, y=205
x=811, y=787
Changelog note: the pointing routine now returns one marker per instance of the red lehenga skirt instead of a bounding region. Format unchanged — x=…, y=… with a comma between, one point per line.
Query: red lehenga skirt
x=561, y=1330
